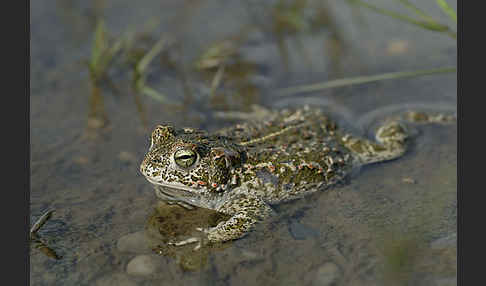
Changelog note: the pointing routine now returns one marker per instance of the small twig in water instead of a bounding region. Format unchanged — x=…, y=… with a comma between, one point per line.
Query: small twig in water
x=38, y=243
x=41, y=221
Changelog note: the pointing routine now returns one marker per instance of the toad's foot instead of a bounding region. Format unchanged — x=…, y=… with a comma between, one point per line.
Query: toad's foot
x=391, y=137
x=391, y=144
x=201, y=240
x=424, y=118
x=190, y=240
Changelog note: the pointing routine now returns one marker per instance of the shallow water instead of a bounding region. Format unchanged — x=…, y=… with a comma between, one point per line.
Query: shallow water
x=394, y=223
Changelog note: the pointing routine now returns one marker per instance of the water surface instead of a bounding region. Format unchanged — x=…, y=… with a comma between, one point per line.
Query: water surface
x=394, y=223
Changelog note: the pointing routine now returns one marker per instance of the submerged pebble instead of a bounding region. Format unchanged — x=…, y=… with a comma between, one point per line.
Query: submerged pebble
x=327, y=274
x=143, y=265
x=133, y=242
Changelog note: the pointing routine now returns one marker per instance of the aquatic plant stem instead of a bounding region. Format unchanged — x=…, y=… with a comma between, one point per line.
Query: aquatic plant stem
x=360, y=80
x=447, y=9
x=416, y=10
x=428, y=22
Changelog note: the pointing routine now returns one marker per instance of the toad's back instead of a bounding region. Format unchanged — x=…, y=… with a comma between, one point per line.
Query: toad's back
x=290, y=154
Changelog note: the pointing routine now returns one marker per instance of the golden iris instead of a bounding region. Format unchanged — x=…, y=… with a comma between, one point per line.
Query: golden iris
x=185, y=158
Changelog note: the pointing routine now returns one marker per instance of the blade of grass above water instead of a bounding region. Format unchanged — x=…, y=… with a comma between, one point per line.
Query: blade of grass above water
x=102, y=53
x=145, y=61
x=141, y=67
x=153, y=94
x=417, y=11
x=99, y=43
x=447, y=9
x=429, y=24
x=360, y=80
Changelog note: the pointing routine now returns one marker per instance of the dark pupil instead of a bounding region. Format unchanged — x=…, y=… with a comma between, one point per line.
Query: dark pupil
x=185, y=160
x=183, y=157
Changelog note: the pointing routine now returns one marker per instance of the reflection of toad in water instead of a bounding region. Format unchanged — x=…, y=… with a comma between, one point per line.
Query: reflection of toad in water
x=172, y=222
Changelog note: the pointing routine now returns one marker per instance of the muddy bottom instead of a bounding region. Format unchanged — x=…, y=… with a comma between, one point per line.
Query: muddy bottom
x=394, y=223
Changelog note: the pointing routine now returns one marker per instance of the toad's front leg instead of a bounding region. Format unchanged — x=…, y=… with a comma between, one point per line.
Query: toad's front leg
x=245, y=210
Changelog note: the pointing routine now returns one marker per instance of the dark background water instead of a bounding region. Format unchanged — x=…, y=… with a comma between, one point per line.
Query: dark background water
x=379, y=229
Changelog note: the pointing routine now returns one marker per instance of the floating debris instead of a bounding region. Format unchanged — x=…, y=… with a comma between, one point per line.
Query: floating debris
x=409, y=180
x=40, y=222
x=36, y=240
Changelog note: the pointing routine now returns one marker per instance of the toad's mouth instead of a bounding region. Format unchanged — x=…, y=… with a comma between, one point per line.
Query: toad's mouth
x=177, y=186
x=174, y=191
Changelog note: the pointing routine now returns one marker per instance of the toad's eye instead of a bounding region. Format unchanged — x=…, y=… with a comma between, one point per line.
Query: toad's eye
x=185, y=158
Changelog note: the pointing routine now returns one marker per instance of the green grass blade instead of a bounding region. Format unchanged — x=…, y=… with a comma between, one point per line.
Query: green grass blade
x=107, y=56
x=99, y=44
x=360, y=80
x=118, y=45
x=153, y=94
x=111, y=52
x=145, y=61
x=417, y=11
x=447, y=9
x=429, y=24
